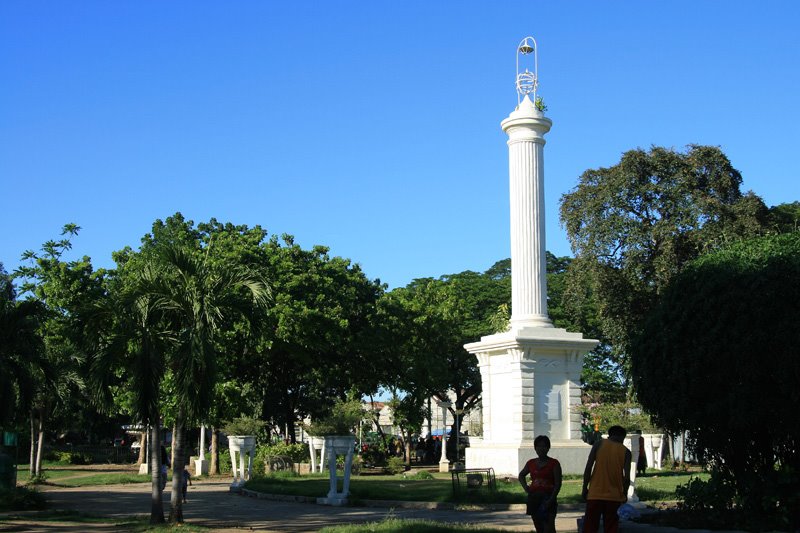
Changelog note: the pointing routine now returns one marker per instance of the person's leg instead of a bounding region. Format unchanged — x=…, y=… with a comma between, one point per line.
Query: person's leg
x=610, y=517
x=591, y=523
x=534, y=504
x=550, y=523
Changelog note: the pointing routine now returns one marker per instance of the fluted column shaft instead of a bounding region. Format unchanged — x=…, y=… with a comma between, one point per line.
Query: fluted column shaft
x=525, y=128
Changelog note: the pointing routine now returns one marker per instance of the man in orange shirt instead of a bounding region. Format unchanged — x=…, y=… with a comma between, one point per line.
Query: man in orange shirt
x=606, y=480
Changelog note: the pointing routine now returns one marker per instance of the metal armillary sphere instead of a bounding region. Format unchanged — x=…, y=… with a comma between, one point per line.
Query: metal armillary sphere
x=527, y=81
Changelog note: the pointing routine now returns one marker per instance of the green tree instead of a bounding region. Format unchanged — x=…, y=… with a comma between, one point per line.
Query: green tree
x=439, y=317
x=785, y=218
x=316, y=340
x=172, y=301
x=635, y=225
x=21, y=351
x=197, y=300
x=131, y=334
x=717, y=356
x=63, y=289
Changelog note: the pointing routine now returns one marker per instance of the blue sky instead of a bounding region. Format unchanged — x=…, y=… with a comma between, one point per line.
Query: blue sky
x=369, y=127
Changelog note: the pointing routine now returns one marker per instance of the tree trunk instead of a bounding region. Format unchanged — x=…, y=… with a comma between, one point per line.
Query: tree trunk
x=154, y=454
x=214, y=466
x=41, y=443
x=172, y=448
x=32, y=463
x=407, y=438
x=178, y=465
x=142, y=448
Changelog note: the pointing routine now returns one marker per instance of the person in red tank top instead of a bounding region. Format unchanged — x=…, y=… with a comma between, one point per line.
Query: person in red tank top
x=545, y=474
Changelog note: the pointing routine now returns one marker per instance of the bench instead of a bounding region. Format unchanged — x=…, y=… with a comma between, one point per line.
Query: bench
x=473, y=478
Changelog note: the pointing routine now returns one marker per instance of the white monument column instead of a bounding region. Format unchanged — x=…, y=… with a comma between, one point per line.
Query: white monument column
x=530, y=373
x=525, y=128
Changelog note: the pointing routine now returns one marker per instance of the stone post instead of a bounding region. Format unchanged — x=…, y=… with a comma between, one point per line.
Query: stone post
x=444, y=464
x=200, y=464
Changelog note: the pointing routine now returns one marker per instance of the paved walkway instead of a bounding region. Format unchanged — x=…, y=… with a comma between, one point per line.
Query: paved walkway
x=211, y=504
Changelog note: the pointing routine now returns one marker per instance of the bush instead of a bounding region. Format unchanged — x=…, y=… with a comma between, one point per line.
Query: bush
x=225, y=462
x=298, y=453
x=719, y=504
x=715, y=497
x=626, y=414
x=395, y=465
x=38, y=479
x=243, y=426
x=21, y=499
x=373, y=457
x=342, y=420
x=420, y=474
x=280, y=455
x=74, y=458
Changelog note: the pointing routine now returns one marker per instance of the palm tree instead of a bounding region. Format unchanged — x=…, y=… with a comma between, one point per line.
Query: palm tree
x=129, y=332
x=163, y=315
x=21, y=349
x=199, y=299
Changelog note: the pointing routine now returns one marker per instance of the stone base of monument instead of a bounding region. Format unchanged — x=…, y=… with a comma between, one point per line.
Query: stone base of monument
x=572, y=455
x=508, y=459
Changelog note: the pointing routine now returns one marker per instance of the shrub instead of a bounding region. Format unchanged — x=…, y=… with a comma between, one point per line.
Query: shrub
x=243, y=426
x=343, y=418
x=718, y=503
x=373, y=457
x=74, y=458
x=298, y=453
x=713, y=497
x=39, y=478
x=626, y=414
x=395, y=465
x=225, y=462
x=420, y=474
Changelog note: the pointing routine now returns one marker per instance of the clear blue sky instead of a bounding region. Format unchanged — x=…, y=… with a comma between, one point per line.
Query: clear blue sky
x=369, y=127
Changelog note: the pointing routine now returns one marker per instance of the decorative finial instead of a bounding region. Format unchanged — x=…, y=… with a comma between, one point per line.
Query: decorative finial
x=527, y=81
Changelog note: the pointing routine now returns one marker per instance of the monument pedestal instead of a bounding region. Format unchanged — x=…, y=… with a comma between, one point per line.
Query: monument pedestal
x=531, y=387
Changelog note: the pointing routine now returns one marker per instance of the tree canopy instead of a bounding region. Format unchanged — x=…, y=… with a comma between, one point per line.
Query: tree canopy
x=635, y=225
x=718, y=357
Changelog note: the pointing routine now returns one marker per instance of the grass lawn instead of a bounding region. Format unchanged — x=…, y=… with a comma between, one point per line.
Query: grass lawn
x=81, y=476
x=104, y=479
x=654, y=487
x=393, y=525
x=56, y=519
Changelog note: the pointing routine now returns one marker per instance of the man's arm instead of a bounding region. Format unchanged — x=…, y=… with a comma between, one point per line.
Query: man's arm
x=587, y=472
x=626, y=474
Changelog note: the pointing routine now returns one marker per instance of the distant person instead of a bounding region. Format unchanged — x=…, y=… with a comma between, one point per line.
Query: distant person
x=605, y=481
x=187, y=480
x=641, y=463
x=430, y=450
x=164, y=466
x=545, y=474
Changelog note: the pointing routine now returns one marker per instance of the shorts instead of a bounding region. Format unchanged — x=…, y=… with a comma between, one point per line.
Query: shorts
x=535, y=500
